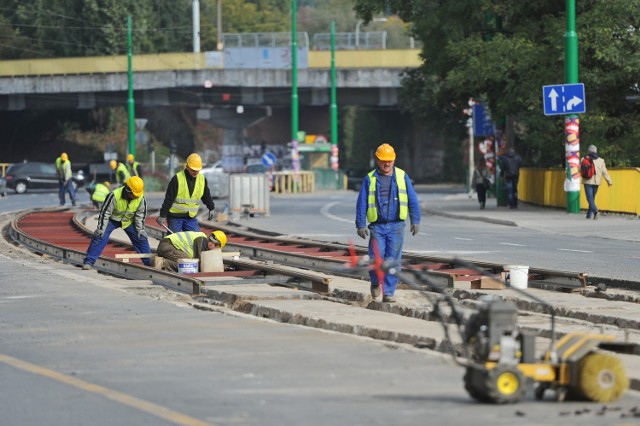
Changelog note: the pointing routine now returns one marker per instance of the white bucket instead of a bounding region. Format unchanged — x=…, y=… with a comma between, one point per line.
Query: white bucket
x=517, y=276
x=188, y=266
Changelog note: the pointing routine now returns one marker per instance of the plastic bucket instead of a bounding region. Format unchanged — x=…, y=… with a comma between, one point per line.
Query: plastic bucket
x=188, y=266
x=517, y=276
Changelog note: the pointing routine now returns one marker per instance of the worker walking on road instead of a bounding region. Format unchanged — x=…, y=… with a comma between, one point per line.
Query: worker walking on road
x=133, y=166
x=124, y=208
x=121, y=171
x=386, y=199
x=182, y=199
x=187, y=245
x=63, y=170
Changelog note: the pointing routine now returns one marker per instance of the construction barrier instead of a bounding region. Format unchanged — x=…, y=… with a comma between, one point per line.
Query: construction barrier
x=293, y=182
x=545, y=187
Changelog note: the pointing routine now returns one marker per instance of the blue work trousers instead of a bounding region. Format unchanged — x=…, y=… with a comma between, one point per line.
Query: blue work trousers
x=179, y=224
x=590, y=191
x=141, y=245
x=511, y=185
x=63, y=189
x=390, y=238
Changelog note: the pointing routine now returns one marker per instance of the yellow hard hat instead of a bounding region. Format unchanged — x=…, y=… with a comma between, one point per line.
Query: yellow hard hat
x=385, y=152
x=194, y=162
x=219, y=237
x=113, y=164
x=107, y=184
x=130, y=157
x=136, y=185
x=64, y=156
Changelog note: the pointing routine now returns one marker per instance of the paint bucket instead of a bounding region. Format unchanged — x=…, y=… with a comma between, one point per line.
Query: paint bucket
x=188, y=266
x=517, y=276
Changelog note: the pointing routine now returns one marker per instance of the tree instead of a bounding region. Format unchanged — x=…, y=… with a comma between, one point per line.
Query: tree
x=504, y=51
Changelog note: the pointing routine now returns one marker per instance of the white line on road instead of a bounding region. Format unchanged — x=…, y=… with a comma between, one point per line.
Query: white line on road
x=325, y=212
x=513, y=244
x=577, y=251
x=463, y=239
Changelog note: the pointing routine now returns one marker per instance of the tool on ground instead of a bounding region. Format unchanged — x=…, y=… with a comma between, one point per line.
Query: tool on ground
x=167, y=228
x=500, y=358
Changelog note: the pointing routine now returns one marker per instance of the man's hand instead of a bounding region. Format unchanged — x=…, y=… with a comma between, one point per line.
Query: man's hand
x=98, y=233
x=363, y=232
x=142, y=235
x=161, y=220
x=210, y=215
x=415, y=229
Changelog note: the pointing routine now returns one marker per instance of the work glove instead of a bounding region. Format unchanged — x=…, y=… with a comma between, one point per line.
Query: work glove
x=363, y=232
x=210, y=215
x=161, y=220
x=98, y=233
x=414, y=229
x=142, y=235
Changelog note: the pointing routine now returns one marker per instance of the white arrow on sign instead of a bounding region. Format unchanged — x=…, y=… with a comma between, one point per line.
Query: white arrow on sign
x=554, y=99
x=575, y=101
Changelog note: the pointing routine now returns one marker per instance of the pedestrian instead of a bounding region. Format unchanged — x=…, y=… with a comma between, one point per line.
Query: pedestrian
x=482, y=181
x=65, y=181
x=124, y=208
x=182, y=199
x=592, y=184
x=385, y=200
x=510, y=172
x=121, y=171
x=98, y=192
x=133, y=166
x=187, y=245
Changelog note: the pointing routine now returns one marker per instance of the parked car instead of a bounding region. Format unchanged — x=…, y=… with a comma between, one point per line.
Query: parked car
x=3, y=186
x=30, y=175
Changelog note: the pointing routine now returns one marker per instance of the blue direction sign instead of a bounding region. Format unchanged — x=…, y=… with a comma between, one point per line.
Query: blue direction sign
x=268, y=159
x=564, y=99
x=482, y=124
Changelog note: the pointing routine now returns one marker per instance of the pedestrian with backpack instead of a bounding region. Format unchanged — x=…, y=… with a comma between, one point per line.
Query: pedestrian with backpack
x=593, y=169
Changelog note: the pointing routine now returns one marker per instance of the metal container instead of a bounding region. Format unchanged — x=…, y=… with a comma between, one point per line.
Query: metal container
x=249, y=194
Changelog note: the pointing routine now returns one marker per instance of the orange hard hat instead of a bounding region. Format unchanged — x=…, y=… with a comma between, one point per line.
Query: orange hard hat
x=385, y=152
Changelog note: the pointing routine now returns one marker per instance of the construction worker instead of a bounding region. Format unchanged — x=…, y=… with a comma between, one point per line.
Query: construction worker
x=63, y=170
x=187, y=245
x=133, y=166
x=124, y=208
x=99, y=192
x=385, y=200
x=121, y=171
x=182, y=199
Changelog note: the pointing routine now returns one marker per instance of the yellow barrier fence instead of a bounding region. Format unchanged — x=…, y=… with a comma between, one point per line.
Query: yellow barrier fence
x=545, y=187
x=292, y=182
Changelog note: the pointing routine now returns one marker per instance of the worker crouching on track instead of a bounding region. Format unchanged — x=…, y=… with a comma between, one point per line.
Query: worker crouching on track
x=98, y=192
x=187, y=245
x=124, y=207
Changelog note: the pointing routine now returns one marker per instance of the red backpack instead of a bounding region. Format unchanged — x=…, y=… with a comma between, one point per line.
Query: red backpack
x=587, y=168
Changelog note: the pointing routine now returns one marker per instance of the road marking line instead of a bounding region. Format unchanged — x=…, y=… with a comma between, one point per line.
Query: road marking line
x=577, y=251
x=513, y=244
x=325, y=212
x=131, y=401
x=463, y=239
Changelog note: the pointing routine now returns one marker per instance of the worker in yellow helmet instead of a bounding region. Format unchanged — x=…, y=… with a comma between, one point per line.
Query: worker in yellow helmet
x=386, y=200
x=63, y=170
x=182, y=199
x=124, y=208
x=133, y=166
x=187, y=245
x=121, y=171
x=99, y=192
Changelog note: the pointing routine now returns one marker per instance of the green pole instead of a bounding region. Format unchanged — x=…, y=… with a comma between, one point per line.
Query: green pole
x=294, y=72
x=572, y=123
x=334, y=106
x=130, y=104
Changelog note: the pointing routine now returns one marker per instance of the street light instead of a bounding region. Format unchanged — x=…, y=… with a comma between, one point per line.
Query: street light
x=361, y=21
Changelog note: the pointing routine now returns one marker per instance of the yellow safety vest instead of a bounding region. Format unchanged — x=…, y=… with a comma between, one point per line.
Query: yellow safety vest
x=122, y=168
x=60, y=168
x=100, y=193
x=403, y=198
x=134, y=169
x=185, y=202
x=184, y=240
x=125, y=210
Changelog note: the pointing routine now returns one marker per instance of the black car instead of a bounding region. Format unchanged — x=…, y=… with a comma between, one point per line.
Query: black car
x=355, y=178
x=22, y=177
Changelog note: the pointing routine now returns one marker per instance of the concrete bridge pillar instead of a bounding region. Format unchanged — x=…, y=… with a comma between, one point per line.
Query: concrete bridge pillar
x=234, y=120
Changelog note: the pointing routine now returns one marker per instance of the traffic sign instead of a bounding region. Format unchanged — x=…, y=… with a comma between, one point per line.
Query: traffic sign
x=268, y=159
x=482, y=124
x=564, y=99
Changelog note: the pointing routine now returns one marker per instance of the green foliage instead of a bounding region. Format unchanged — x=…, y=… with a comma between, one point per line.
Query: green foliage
x=503, y=51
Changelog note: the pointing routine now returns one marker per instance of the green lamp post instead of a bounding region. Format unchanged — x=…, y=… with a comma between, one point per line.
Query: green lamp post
x=572, y=122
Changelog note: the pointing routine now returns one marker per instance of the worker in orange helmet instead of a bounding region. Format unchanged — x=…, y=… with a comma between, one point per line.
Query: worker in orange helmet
x=133, y=166
x=386, y=200
x=124, y=208
x=63, y=170
x=182, y=199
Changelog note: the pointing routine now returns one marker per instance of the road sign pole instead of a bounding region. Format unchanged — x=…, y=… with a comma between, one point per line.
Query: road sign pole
x=572, y=122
